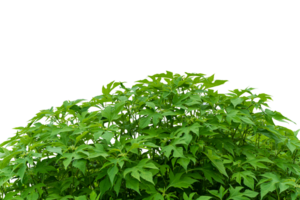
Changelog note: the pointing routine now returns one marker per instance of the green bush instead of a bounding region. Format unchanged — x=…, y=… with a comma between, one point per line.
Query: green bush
x=154, y=141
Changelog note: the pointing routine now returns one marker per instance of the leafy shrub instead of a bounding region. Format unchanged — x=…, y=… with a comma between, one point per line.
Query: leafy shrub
x=173, y=140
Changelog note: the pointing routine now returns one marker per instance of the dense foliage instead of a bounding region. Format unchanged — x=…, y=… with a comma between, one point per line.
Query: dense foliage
x=157, y=140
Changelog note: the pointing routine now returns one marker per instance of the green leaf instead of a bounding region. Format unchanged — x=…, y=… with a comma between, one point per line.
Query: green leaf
x=80, y=164
x=93, y=195
x=82, y=197
x=112, y=171
x=54, y=149
x=236, y=101
x=181, y=180
x=248, y=177
x=105, y=185
x=79, y=137
x=111, y=113
x=204, y=198
x=246, y=120
x=220, y=194
x=235, y=193
x=132, y=184
x=193, y=128
x=145, y=121
x=216, y=160
x=109, y=87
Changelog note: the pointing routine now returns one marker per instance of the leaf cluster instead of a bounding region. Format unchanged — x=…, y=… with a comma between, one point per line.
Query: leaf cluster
x=176, y=139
